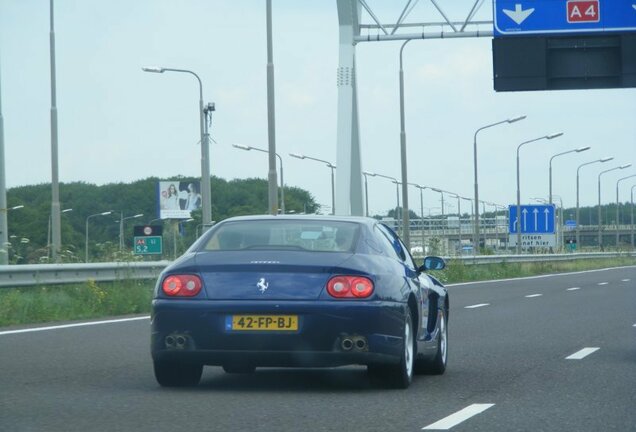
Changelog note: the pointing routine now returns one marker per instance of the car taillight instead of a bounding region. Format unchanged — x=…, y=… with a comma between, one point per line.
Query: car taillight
x=350, y=287
x=181, y=285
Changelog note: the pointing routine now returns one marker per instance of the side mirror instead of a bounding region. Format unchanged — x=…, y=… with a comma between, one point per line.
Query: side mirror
x=433, y=263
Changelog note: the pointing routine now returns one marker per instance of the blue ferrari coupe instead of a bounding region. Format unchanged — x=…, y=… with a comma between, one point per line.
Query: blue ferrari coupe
x=299, y=291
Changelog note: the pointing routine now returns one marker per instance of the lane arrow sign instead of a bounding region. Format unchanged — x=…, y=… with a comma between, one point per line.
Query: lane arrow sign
x=525, y=220
x=536, y=219
x=546, y=212
x=519, y=15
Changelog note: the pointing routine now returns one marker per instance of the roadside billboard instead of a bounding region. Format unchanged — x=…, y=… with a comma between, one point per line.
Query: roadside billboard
x=176, y=199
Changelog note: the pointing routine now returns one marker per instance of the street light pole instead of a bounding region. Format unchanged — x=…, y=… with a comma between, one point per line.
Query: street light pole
x=476, y=218
x=280, y=160
x=206, y=205
x=48, y=234
x=421, y=188
x=366, y=193
x=577, y=150
x=632, y=224
x=578, y=223
x=121, y=227
x=55, y=185
x=330, y=165
x=600, y=235
x=617, y=205
x=4, y=238
x=271, y=119
x=86, y=237
x=518, y=224
x=406, y=235
x=397, y=190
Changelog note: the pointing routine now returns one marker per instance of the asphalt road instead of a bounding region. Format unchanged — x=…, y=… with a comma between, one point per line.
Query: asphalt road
x=508, y=371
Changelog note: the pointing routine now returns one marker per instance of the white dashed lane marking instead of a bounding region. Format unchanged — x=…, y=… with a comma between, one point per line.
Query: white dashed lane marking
x=625, y=280
x=573, y=289
x=459, y=417
x=477, y=306
x=582, y=353
x=602, y=283
x=533, y=295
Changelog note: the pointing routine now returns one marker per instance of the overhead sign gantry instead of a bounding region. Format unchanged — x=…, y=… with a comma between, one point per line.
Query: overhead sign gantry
x=564, y=44
x=518, y=17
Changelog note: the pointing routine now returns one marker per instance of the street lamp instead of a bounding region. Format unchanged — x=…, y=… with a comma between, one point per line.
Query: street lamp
x=600, y=236
x=282, y=184
x=476, y=219
x=459, y=217
x=205, y=148
x=421, y=188
x=121, y=227
x=86, y=238
x=617, y=204
x=578, y=231
x=397, y=191
x=48, y=235
x=632, y=225
x=403, y=158
x=577, y=150
x=518, y=224
x=330, y=165
x=4, y=253
x=366, y=192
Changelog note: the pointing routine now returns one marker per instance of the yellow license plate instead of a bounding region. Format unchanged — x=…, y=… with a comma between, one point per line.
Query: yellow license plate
x=265, y=322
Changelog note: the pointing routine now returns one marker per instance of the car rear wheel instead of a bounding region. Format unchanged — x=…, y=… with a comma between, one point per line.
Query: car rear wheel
x=177, y=374
x=436, y=365
x=401, y=374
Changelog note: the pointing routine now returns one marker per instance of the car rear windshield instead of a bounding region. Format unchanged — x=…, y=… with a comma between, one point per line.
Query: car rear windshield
x=311, y=235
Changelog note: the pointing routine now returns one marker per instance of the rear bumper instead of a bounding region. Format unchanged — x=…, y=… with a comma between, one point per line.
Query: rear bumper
x=199, y=327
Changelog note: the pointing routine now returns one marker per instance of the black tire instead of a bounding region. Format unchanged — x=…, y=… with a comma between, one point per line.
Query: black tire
x=436, y=365
x=177, y=374
x=399, y=375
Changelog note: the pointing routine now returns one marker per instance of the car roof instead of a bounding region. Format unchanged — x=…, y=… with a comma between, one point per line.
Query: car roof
x=312, y=217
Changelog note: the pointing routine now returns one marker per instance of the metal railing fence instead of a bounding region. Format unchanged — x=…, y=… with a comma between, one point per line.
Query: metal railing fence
x=13, y=276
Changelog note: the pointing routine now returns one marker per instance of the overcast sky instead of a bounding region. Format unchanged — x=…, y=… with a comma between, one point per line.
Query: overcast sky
x=119, y=124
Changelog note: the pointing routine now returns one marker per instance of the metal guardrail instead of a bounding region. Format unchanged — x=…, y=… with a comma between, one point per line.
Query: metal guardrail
x=50, y=274
x=12, y=276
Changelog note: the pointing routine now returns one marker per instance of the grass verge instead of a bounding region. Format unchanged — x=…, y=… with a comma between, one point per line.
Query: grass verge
x=457, y=271
x=30, y=305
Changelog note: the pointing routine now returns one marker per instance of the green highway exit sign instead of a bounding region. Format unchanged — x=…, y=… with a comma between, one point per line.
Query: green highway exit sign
x=148, y=245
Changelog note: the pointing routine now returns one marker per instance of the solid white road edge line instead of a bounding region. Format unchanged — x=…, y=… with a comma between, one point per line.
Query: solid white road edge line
x=533, y=295
x=476, y=305
x=537, y=277
x=582, y=353
x=573, y=289
x=458, y=417
x=64, y=326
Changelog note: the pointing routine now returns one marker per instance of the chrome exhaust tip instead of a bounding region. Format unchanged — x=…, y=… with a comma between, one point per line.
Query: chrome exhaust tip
x=170, y=341
x=360, y=343
x=347, y=344
x=180, y=341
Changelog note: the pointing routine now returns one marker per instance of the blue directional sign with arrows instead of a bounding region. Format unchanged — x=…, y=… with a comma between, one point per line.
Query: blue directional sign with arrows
x=541, y=17
x=535, y=219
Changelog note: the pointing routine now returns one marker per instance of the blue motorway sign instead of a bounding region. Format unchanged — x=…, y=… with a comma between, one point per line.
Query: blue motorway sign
x=539, y=17
x=535, y=219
